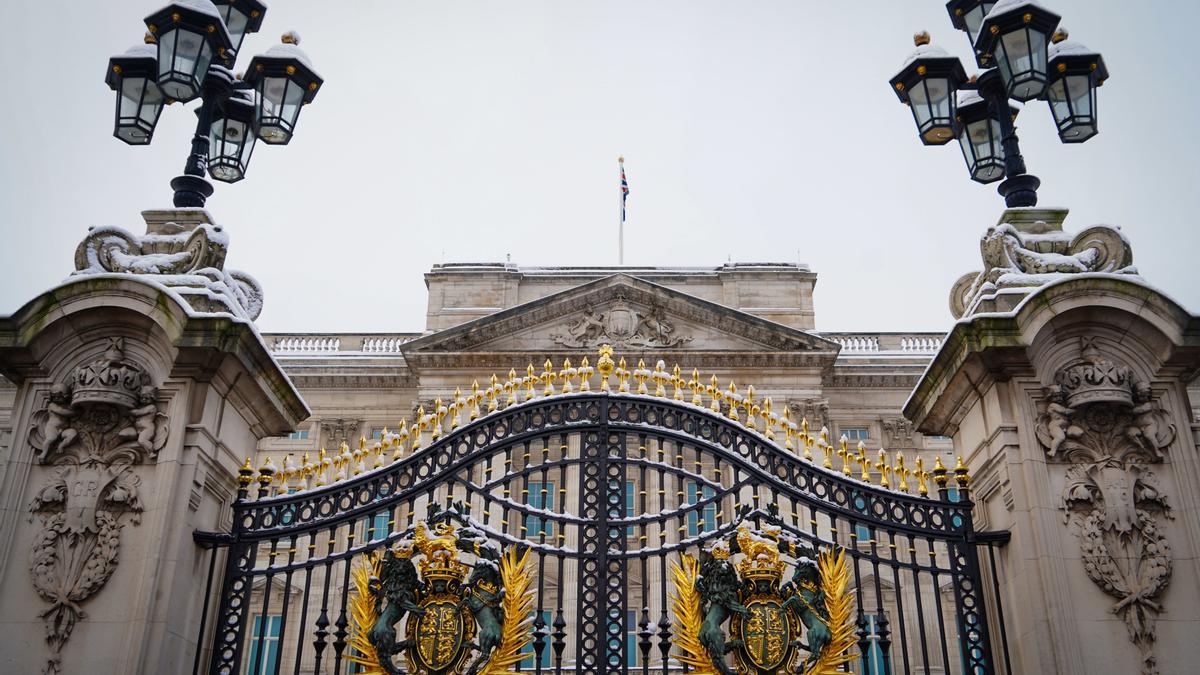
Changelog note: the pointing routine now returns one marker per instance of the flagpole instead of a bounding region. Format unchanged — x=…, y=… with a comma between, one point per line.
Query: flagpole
x=621, y=214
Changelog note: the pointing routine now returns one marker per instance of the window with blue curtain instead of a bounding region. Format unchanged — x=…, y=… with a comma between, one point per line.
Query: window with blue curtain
x=631, y=638
x=876, y=659
x=528, y=663
x=861, y=532
x=541, y=496
x=376, y=527
x=268, y=633
x=704, y=519
x=630, y=502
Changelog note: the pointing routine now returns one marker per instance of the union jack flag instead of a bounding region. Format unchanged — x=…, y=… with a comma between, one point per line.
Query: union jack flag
x=624, y=188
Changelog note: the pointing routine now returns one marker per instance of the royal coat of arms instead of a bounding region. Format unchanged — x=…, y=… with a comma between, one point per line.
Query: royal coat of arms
x=725, y=606
x=460, y=616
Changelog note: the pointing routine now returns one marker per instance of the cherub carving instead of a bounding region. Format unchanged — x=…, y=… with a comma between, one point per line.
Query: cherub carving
x=149, y=425
x=55, y=426
x=1054, y=426
x=1150, y=430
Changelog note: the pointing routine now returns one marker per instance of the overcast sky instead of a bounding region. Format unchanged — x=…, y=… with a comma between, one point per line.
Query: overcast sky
x=467, y=131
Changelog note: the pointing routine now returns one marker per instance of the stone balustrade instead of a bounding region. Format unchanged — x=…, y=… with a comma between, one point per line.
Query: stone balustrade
x=313, y=344
x=875, y=343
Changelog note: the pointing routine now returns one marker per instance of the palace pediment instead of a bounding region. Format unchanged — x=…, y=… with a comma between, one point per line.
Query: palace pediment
x=631, y=314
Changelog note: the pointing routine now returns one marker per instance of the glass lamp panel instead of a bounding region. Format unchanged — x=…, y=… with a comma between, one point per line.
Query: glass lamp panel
x=187, y=51
x=980, y=141
x=132, y=89
x=226, y=140
x=930, y=101
x=151, y=108
x=1060, y=105
x=292, y=101
x=1079, y=88
x=974, y=19
x=235, y=22
x=1022, y=61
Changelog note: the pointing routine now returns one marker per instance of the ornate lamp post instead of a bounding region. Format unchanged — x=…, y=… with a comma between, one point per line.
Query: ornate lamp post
x=191, y=47
x=1026, y=57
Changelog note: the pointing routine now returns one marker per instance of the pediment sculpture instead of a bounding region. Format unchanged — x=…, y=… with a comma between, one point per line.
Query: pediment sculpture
x=622, y=326
x=1107, y=426
x=100, y=422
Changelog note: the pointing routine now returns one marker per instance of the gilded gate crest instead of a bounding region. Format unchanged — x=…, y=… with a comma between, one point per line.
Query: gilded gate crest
x=769, y=625
x=454, y=608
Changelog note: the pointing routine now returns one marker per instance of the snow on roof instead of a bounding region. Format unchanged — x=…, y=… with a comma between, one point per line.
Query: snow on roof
x=142, y=50
x=1005, y=6
x=287, y=51
x=968, y=96
x=202, y=6
x=925, y=52
x=1068, y=48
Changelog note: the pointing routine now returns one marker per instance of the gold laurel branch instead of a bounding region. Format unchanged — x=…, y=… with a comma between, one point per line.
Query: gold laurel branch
x=517, y=575
x=685, y=605
x=363, y=615
x=839, y=603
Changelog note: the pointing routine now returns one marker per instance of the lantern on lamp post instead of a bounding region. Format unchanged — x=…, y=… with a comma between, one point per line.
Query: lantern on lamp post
x=195, y=43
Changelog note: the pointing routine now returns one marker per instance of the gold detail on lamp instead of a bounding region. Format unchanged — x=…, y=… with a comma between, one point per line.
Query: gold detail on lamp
x=921, y=38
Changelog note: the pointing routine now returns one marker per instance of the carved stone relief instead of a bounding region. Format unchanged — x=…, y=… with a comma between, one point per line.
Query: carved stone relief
x=621, y=326
x=1109, y=430
x=815, y=410
x=898, y=433
x=98, y=424
x=338, y=431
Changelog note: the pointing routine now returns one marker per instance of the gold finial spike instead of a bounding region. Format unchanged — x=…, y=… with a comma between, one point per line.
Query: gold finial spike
x=566, y=375
x=510, y=386
x=844, y=454
x=266, y=472
x=605, y=365
x=768, y=419
x=246, y=474
x=623, y=376
x=786, y=422
x=884, y=468
x=961, y=475
x=362, y=442
x=548, y=377
x=677, y=382
x=530, y=382
x=864, y=464
x=922, y=475
x=735, y=400
x=714, y=390
x=1060, y=34
x=660, y=378
x=826, y=449
x=901, y=472
x=939, y=473
x=641, y=374
x=922, y=38
x=493, y=393
x=696, y=387
x=808, y=443
x=585, y=375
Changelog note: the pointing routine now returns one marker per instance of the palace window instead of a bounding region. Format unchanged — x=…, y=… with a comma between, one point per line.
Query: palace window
x=704, y=519
x=376, y=527
x=862, y=533
x=298, y=435
x=528, y=663
x=630, y=493
x=541, y=496
x=264, y=645
x=855, y=434
x=876, y=658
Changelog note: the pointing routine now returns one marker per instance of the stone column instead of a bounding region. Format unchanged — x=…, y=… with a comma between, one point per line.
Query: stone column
x=142, y=384
x=1065, y=383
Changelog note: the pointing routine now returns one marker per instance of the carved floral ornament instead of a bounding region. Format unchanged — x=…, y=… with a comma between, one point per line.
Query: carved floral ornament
x=98, y=423
x=621, y=326
x=1108, y=429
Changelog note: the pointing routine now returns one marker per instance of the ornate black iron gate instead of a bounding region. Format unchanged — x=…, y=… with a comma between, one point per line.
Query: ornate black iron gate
x=607, y=488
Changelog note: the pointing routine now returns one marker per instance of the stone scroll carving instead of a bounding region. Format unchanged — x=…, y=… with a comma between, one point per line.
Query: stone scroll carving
x=1110, y=431
x=98, y=424
x=622, y=326
x=1038, y=255
x=189, y=259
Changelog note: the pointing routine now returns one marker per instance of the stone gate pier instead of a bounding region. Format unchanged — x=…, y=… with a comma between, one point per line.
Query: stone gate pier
x=1065, y=383
x=142, y=384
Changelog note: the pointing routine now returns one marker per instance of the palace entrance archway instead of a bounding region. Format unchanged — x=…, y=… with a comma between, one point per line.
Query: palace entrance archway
x=607, y=482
